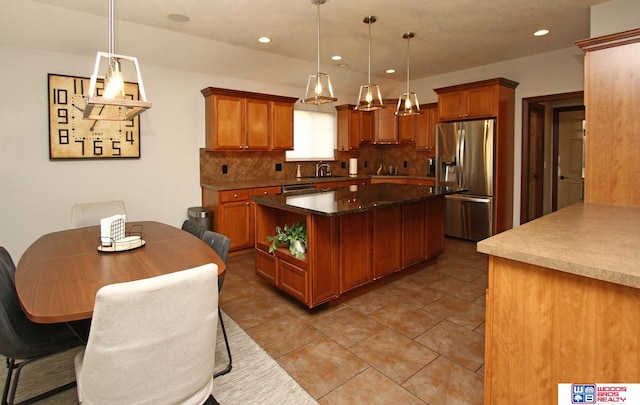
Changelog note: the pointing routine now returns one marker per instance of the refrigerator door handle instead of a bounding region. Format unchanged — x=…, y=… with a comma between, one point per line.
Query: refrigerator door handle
x=461, y=157
x=466, y=197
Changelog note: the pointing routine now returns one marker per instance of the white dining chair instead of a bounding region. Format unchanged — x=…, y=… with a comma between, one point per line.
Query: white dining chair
x=88, y=214
x=151, y=341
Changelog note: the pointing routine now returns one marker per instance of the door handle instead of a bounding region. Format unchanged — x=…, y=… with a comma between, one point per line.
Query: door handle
x=564, y=178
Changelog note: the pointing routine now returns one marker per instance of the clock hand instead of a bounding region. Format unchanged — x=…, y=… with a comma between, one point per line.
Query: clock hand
x=78, y=107
x=96, y=121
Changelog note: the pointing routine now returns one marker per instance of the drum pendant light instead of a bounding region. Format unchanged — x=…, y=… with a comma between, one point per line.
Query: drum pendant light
x=408, y=102
x=319, y=90
x=369, y=98
x=112, y=105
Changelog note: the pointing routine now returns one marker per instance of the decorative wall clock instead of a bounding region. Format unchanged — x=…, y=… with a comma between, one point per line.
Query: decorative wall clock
x=72, y=137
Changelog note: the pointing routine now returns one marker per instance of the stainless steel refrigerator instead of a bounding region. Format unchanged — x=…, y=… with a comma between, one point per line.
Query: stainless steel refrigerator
x=464, y=158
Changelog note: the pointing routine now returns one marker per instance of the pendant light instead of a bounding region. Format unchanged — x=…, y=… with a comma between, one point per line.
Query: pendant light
x=319, y=90
x=408, y=102
x=112, y=105
x=369, y=98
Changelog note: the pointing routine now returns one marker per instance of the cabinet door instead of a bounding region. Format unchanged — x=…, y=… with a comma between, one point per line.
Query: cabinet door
x=450, y=105
x=348, y=128
x=228, y=123
x=386, y=126
x=413, y=233
x=293, y=280
x=355, y=252
x=426, y=129
x=236, y=223
x=257, y=124
x=480, y=102
x=407, y=126
x=366, y=126
x=387, y=240
x=281, y=125
x=266, y=266
x=435, y=227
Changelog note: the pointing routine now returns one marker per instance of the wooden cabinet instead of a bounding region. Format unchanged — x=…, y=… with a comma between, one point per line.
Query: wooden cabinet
x=281, y=125
x=354, y=127
x=387, y=240
x=612, y=86
x=413, y=234
x=434, y=229
x=355, y=252
x=236, y=120
x=426, y=124
x=385, y=129
x=472, y=100
x=407, y=128
x=421, y=182
x=234, y=213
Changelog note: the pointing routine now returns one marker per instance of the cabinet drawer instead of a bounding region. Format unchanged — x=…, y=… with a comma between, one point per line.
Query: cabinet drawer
x=266, y=266
x=266, y=190
x=293, y=280
x=234, y=195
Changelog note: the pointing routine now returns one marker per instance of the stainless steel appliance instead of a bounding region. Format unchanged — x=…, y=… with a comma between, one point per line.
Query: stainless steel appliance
x=464, y=158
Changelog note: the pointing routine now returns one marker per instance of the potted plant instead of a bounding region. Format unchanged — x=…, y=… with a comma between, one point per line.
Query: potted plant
x=295, y=236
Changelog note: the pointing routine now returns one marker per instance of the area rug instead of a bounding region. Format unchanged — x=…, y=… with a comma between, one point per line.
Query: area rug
x=254, y=379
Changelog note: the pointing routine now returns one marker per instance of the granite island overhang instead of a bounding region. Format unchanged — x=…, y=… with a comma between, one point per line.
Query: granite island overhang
x=356, y=236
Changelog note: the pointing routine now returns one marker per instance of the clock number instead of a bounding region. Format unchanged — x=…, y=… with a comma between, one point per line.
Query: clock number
x=97, y=147
x=116, y=148
x=129, y=137
x=59, y=96
x=63, y=116
x=81, y=142
x=78, y=86
x=63, y=136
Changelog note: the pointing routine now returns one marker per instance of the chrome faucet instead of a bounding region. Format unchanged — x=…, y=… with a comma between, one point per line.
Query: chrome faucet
x=323, y=170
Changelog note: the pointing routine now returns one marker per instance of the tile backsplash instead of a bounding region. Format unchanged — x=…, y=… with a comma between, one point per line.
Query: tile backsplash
x=262, y=165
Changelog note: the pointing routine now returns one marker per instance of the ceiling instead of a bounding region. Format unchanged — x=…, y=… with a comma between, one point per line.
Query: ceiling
x=450, y=35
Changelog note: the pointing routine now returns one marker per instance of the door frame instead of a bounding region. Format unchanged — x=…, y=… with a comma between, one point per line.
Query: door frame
x=527, y=104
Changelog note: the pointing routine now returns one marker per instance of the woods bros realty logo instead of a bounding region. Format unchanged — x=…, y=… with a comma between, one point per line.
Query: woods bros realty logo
x=601, y=393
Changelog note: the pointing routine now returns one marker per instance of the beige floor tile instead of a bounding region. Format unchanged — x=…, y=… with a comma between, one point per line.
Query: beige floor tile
x=405, y=319
x=393, y=354
x=370, y=302
x=410, y=292
x=346, y=326
x=321, y=366
x=370, y=387
x=459, y=288
x=458, y=311
x=445, y=382
x=456, y=343
x=254, y=311
x=283, y=335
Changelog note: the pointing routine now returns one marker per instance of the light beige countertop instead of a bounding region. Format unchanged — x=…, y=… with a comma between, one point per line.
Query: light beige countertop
x=591, y=240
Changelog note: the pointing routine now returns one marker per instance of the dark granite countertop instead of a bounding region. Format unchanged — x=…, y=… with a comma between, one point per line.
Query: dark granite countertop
x=235, y=185
x=351, y=199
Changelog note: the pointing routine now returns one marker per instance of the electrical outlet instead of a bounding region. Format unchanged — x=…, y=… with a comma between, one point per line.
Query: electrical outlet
x=343, y=165
x=365, y=164
x=278, y=167
x=225, y=169
x=406, y=164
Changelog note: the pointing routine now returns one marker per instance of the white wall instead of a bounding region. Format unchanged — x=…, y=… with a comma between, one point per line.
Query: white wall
x=614, y=16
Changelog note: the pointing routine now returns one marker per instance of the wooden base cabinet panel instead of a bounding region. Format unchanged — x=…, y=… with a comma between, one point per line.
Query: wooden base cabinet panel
x=266, y=266
x=413, y=235
x=387, y=240
x=545, y=327
x=355, y=251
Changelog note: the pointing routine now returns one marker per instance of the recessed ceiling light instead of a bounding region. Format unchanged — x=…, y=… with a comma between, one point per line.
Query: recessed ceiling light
x=264, y=40
x=541, y=32
x=389, y=71
x=175, y=17
x=336, y=57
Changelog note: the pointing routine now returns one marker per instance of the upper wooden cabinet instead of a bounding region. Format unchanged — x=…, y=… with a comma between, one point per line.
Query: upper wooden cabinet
x=354, y=127
x=385, y=129
x=238, y=120
x=471, y=100
x=426, y=128
x=611, y=89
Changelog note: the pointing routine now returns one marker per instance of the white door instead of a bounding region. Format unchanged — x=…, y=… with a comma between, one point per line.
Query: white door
x=570, y=157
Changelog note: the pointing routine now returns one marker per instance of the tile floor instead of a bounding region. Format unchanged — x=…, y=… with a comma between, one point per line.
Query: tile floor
x=417, y=340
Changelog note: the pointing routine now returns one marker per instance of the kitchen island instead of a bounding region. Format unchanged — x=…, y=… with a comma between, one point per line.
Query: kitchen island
x=563, y=303
x=356, y=235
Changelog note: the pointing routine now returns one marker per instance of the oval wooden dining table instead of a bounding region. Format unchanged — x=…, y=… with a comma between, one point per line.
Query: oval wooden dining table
x=58, y=276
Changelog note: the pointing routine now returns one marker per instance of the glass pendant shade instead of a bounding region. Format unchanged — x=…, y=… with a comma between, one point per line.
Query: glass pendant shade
x=369, y=97
x=408, y=105
x=408, y=102
x=319, y=89
x=112, y=105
